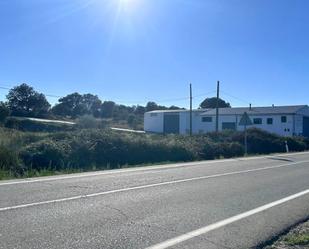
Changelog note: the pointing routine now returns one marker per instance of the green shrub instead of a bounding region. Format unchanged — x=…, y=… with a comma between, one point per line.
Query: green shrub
x=260, y=142
x=233, y=149
x=31, y=154
x=4, y=112
x=35, y=126
x=9, y=162
x=89, y=122
x=210, y=151
x=213, y=150
x=45, y=154
x=296, y=144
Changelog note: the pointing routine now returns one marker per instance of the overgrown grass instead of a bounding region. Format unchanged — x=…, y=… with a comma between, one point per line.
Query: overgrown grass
x=297, y=239
x=27, y=154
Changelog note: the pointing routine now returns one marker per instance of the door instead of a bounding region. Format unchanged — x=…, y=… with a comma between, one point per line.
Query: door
x=306, y=126
x=171, y=123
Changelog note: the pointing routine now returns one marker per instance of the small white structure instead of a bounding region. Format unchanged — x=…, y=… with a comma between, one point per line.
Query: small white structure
x=282, y=120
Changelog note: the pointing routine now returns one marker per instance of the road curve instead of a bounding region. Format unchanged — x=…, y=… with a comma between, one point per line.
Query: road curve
x=236, y=203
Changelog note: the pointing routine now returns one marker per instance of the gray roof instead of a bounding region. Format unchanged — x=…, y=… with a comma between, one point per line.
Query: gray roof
x=256, y=110
x=180, y=110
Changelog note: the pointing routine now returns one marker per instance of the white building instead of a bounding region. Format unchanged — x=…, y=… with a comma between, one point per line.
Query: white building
x=282, y=120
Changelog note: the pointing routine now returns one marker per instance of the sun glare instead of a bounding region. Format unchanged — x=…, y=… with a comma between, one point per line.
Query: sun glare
x=127, y=4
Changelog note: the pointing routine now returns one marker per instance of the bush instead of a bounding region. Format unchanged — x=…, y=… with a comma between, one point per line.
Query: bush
x=260, y=142
x=296, y=144
x=225, y=149
x=87, y=149
x=210, y=151
x=4, y=112
x=89, y=122
x=34, y=126
x=232, y=149
x=45, y=154
x=9, y=162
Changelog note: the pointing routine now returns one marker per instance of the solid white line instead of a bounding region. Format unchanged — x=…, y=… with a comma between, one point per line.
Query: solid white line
x=206, y=229
x=146, y=186
x=146, y=168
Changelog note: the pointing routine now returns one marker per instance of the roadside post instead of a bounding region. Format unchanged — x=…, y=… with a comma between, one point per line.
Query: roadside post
x=286, y=146
x=245, y=121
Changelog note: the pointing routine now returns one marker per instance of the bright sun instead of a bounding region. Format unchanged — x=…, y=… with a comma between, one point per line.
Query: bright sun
x=127, y=4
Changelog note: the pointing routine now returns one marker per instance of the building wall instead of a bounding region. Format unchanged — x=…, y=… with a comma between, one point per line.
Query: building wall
x=153, y=122
x=284, y=129
x=185, y=122
x=298, y=124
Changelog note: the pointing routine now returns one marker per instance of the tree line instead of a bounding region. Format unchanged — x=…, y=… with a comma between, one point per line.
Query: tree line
x=25, y=101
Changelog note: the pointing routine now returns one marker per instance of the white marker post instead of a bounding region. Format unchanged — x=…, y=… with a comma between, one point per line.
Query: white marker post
x=286, y=146
x=245, y=121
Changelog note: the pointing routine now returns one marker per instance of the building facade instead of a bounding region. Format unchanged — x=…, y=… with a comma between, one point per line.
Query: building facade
x=282, y=120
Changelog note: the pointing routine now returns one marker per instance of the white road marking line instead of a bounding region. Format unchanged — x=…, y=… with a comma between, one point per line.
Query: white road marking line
x=146, y=186
x=206, y=229
x=146, y=168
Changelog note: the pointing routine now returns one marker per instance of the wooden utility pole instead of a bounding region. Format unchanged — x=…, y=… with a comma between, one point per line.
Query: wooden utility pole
x=217, y=107
x=190, y=109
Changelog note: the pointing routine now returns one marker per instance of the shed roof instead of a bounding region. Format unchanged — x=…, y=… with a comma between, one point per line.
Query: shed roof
x=180, y=110
x=256, y=110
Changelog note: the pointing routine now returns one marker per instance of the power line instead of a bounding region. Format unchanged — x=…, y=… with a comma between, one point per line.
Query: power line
x=48, y=95
x=203, y=94
x=237, y=98
x=129, y=101
x=133, y=101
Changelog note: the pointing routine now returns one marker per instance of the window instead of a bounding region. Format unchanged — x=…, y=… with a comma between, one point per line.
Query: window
x=153, y=114
x=269, y=121
x=257, y=121
x=206, y=119
x=283, y=119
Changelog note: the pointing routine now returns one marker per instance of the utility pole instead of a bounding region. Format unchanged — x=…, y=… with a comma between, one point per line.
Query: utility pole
x=246, y=141
x=217, y=107
x=190, y=109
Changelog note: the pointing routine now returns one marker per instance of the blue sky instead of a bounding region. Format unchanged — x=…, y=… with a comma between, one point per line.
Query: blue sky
x=132, y=51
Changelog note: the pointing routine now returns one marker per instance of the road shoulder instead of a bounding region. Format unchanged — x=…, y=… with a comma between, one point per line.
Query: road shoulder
x=295, y=238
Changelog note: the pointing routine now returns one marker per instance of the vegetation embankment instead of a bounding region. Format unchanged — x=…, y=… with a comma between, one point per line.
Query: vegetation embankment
x=296, y=238
x=26, y=154
x=25, y=101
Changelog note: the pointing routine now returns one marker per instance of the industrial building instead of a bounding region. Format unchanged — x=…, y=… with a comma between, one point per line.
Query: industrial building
x=282, y=120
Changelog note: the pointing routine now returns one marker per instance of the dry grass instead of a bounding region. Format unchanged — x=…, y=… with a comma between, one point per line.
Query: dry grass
x=297, y=238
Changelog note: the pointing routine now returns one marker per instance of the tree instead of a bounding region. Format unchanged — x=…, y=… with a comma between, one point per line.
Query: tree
x=92, y=104
x=132, y=121
x=70, y=105
x=107, y=109
x=76, y=105
x=173, y=107
x=212, y=103
x=151, y=106
x=121, y=112
x=4, y=111
x=140, y=110
x=23, y=100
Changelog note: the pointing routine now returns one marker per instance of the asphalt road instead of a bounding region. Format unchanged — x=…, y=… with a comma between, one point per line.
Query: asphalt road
x=237, y=203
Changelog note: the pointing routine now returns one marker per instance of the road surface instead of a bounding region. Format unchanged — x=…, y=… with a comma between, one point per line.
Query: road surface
x=236, y=203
